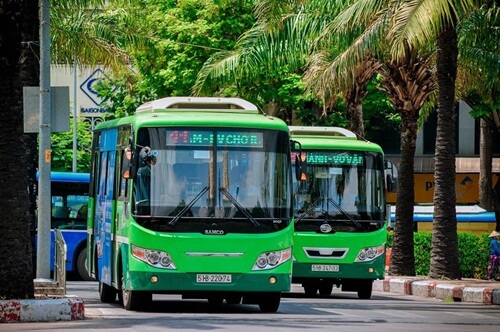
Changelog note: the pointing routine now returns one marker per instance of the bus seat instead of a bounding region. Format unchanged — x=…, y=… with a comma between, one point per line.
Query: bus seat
x=60, y=212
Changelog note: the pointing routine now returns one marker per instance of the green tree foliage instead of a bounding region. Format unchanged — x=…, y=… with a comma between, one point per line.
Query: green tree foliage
x=186, y=33
x=62, y=148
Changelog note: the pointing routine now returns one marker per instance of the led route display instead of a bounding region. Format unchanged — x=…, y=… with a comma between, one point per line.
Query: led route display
x=206, y=138
x=336, y=158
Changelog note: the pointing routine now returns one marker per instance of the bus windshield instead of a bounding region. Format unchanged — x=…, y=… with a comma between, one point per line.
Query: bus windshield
x=69, y=201
x=343, y=188
x=190, y=177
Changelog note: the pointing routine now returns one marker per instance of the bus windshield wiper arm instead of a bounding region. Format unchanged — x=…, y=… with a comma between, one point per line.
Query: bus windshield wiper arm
x=358, y=225
x=313, y=205
x=187, y=207
x=233, y=200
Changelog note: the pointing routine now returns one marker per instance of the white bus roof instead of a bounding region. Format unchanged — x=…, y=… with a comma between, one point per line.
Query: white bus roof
x=196, y=103
x=321, y=131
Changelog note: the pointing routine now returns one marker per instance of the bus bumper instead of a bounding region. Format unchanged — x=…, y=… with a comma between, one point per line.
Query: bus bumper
x=172, y=282
x=363, y=270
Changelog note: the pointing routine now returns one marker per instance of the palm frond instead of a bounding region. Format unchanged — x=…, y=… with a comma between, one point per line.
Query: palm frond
x=478, y=38
x=415, y=22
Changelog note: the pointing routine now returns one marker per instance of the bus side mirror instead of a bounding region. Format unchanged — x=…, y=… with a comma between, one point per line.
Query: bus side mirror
x=390, y=183
x=300, y=162
x=391, y=176
x=299, y=174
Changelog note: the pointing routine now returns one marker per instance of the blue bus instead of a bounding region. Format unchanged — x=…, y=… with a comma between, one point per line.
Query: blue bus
x=69, y=206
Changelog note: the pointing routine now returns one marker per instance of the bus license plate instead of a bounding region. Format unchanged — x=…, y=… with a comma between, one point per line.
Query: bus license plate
x=213, y=278
x=325, y=268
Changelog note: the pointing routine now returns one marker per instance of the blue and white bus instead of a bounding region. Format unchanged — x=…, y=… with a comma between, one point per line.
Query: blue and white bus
x=69, y=206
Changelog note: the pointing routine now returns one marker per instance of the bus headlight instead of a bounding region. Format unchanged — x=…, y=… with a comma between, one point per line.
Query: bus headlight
x=154, y=258
x=370, y=253
x=271, y=259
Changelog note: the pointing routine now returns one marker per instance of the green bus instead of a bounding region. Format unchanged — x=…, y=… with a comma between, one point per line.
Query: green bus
x=192, y=196
x=340, y=212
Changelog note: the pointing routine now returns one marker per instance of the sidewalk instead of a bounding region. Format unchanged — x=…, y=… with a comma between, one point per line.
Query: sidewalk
x=42, y=310
x=465, y=290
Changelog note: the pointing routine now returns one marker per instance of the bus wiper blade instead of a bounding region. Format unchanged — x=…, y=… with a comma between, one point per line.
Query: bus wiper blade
x=330, y=200
x=187, y=207
x=233, y=200
x=313, y=205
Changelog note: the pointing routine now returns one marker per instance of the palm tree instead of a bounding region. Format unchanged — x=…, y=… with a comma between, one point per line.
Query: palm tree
x=19, y=65
x=444, y=253
x=418, y=22
x=407, y=79
x=19, y=34
x=478, y=47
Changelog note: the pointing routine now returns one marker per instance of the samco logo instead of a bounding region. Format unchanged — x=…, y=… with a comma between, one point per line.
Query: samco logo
x=325, y=228
x=214, y=232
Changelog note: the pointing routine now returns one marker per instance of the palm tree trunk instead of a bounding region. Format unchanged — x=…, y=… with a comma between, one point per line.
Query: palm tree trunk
x=19, y=34
x=485, y=162
x=444, y=254
x=354, y=115
x=403, y=257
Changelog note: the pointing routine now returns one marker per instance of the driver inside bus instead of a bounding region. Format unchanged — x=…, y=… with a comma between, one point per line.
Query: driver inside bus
x=143, y=184
x=243, y=187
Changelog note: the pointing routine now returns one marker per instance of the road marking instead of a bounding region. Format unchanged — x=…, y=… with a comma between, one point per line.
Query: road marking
x=397, y=313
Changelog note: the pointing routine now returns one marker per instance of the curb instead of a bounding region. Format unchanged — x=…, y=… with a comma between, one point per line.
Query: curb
x=438, y=290
x=42, y=310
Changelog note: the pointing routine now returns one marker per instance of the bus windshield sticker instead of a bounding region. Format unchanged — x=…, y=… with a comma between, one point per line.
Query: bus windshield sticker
x=201, y=154
x=206, y=138
x=335, y=170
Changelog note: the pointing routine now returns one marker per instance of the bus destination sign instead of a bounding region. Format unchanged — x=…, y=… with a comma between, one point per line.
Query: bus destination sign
x=334, y=158
x=206, y=138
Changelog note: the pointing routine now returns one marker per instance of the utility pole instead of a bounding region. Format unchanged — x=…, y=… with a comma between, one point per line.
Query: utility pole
x=75, y=104
x=44, y=152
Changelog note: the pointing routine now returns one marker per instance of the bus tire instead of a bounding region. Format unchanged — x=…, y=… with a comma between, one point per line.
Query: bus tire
x=215, y=300
x=365, y=290
x=107, y=293
x=310, y=289
x=325, y=288
x=233, y=299
x=270, y=302
x=136, y=300
x=81, y=268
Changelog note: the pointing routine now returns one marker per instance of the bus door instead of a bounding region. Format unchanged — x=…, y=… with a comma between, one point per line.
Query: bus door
x=103, y=226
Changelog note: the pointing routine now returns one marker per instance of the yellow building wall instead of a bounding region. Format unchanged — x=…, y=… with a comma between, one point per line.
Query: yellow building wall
x=466, y=188
x=478, y=228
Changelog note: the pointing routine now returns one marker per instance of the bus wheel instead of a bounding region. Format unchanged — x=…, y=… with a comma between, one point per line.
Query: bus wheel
x=270, y=302
x=81, y=269
x=233, y=299
x=107, y=293
x=310, y=289
x=215, y=300
x=136, y=300
x=365, y=290
x=325, y=288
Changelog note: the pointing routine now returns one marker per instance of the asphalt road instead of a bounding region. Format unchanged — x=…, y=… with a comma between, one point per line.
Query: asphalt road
x=339, y=312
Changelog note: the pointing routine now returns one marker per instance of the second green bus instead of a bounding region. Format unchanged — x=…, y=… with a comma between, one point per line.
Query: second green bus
x=340, y=212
